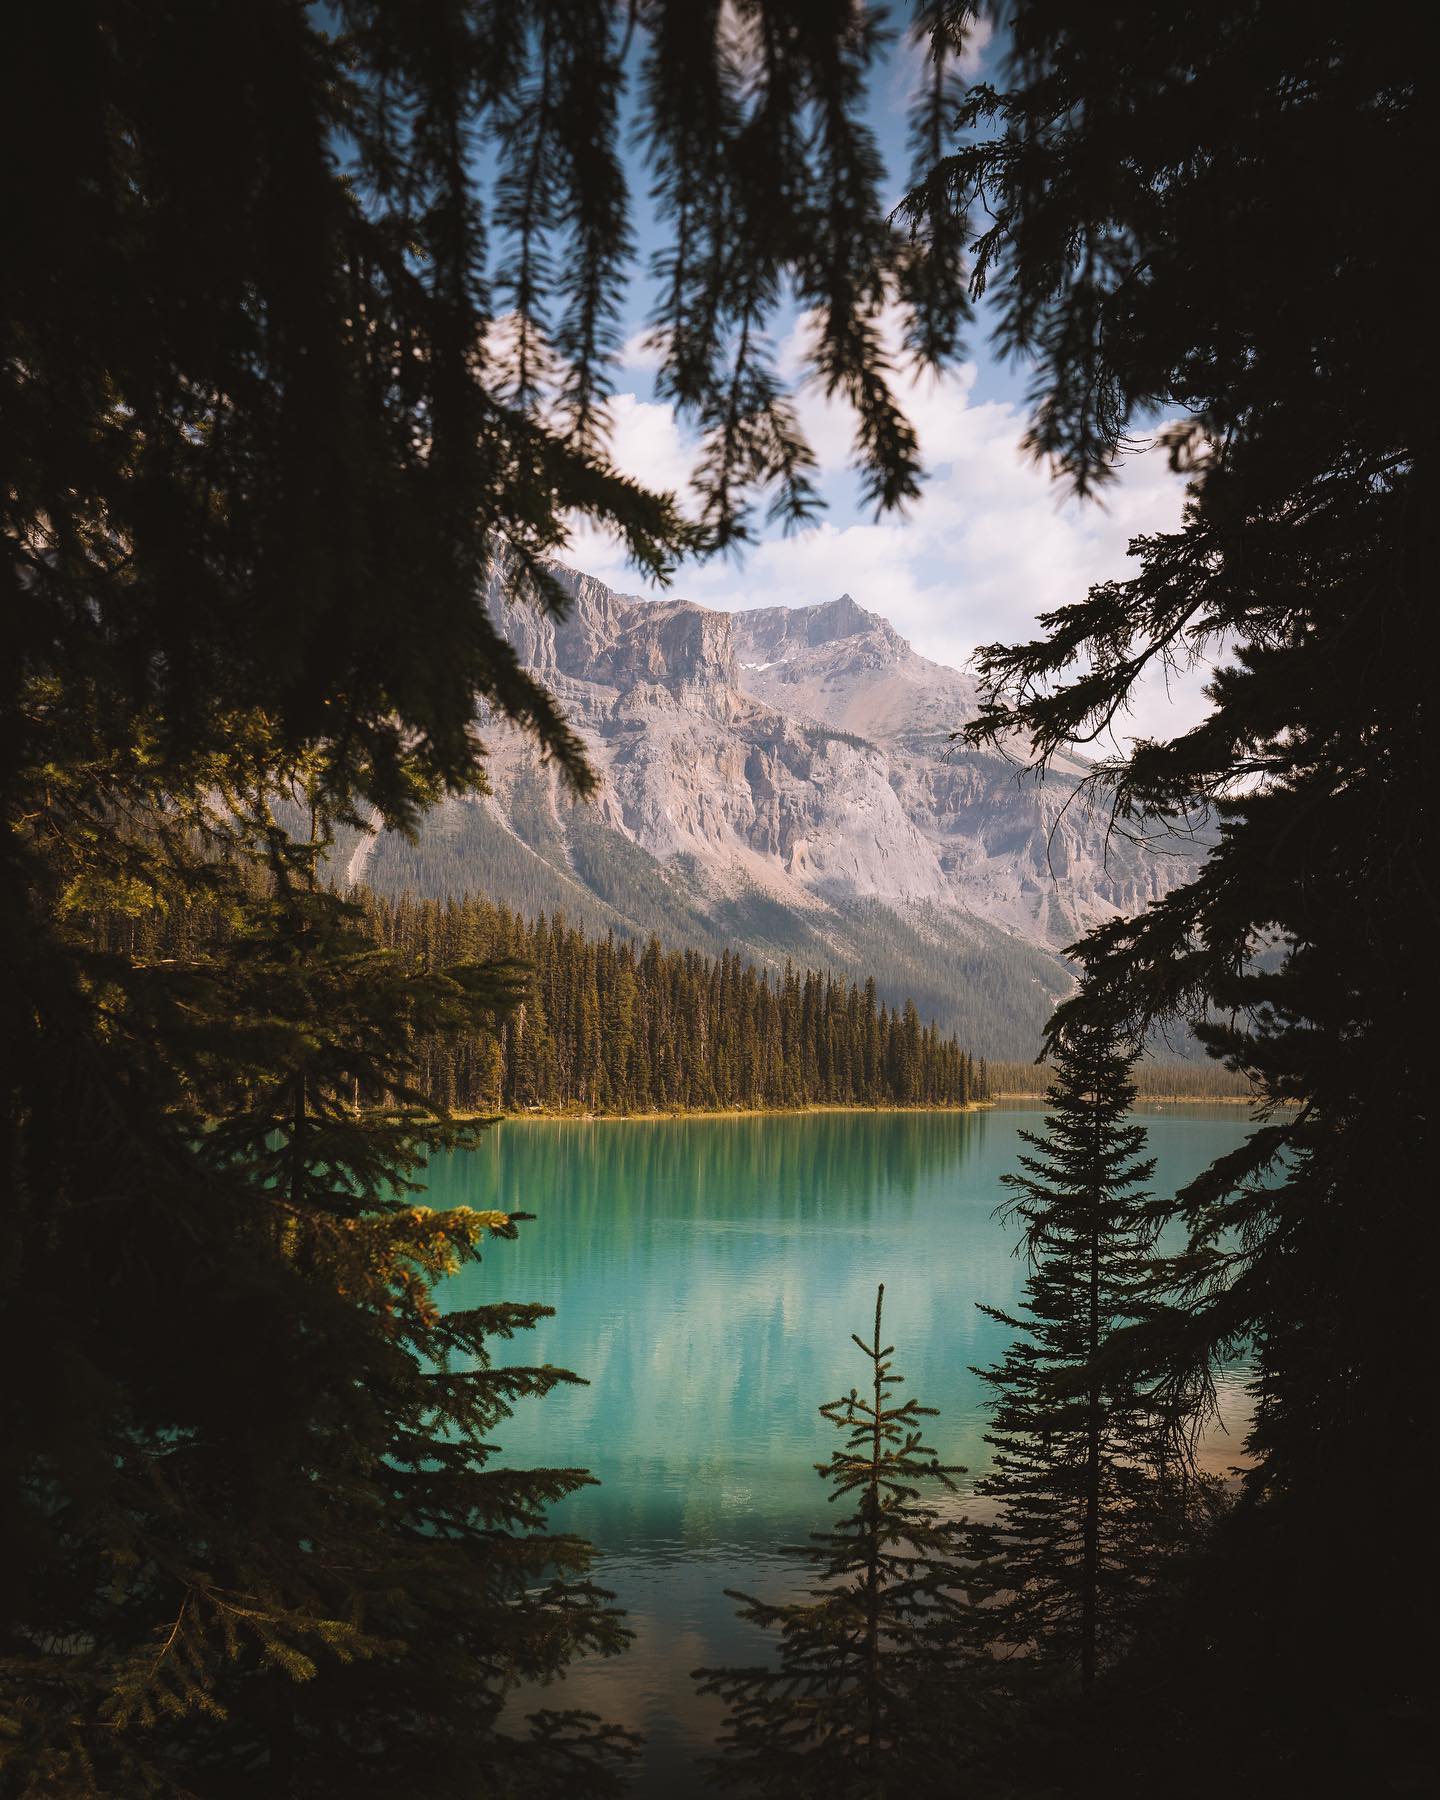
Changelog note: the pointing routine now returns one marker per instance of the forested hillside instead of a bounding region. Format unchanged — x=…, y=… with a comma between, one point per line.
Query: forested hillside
x=604, y=1025
x=992, y=989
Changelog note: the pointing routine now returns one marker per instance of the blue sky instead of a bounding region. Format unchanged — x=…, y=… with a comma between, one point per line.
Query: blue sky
x=992, y=541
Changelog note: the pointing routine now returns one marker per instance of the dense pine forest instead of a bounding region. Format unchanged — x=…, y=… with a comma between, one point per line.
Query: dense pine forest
x=988, y=988
x=605, y=1025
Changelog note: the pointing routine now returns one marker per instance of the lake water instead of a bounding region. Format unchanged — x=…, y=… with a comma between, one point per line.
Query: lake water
x=707, y=1275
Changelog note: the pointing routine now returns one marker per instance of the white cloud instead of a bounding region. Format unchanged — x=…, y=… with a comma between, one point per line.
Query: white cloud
x=908, y=78
x=910, y=63
x=976, y=44
x=640, y=352
x=647, y=443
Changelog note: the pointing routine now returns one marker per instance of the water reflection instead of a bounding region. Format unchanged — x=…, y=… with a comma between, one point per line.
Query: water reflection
x=707, y=1275
x=846, y=1164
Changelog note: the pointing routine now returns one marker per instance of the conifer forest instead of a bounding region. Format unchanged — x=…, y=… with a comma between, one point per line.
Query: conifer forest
x=576, y=574
x=612, y=1027
x=594, y=1025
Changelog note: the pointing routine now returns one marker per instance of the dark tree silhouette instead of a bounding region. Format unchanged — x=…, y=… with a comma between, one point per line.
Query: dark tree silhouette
x=1165, y=201
x=1092, y=1491
x=865, y=1700
x=300, y=1571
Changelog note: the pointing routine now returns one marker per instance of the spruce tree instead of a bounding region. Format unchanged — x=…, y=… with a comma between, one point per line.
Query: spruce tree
x=1087, y=1480
x=445, y=1565
x=865, y=1699
x=1159, y=198
x=298, y=1573
x=308, y=316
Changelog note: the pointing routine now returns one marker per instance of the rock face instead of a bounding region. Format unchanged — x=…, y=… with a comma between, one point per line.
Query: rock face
x=782, y=780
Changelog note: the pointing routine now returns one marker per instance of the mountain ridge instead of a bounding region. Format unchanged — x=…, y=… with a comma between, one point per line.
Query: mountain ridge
x=783, y=781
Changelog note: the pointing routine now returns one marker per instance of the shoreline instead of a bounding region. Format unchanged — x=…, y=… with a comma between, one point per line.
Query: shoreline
x=541, y=1116
x=1159, y=1099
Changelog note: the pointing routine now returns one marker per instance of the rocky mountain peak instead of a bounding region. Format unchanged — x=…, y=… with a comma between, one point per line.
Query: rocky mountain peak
x=619, y=640
x=774, y=633
x=674, y=643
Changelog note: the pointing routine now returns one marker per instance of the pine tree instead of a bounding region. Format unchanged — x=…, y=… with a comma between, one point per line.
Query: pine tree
x=1086, y=1477
x=434, y=1557
x=319, y=1578
x=864, y=1702
x=1158, y=198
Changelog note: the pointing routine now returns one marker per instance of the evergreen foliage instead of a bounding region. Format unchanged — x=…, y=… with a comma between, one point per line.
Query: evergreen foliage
x=279, y=1555
x=306, y=318
x=990, y=989
x=608, y=1025
x=864, y=1702
x=561, y=1020
x=1090, y=1487
x=1163, y=201
x=288, y=372
x=283, y=380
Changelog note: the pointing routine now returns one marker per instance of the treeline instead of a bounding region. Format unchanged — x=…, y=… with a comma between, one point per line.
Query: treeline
x=605, y=1025
x=986, y=987
x=1151, y=1080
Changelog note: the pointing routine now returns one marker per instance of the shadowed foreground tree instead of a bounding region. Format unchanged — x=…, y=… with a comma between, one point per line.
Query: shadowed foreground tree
x=306, y=314
x=868, y=1694
x=1164, y=203
x=1093, y=1495
x=300, y=1573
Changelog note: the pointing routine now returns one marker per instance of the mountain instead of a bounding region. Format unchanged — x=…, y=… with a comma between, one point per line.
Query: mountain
x=782, y=780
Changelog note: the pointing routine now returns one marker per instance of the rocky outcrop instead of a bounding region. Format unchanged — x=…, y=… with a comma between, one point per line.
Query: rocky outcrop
x=808, y=750
x=798, y=761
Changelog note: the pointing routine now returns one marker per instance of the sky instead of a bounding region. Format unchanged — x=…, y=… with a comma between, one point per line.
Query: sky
x=991, y=543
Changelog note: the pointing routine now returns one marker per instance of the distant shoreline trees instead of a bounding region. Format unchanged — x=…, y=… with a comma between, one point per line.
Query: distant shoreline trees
x=609, y=1025
x=606, y=1025
x=1151, y=1080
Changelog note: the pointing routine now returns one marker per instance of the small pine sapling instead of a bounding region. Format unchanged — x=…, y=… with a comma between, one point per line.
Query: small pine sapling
x=865, y=1697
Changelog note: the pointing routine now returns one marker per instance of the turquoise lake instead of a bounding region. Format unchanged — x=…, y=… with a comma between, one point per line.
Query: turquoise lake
x=707, y=1275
